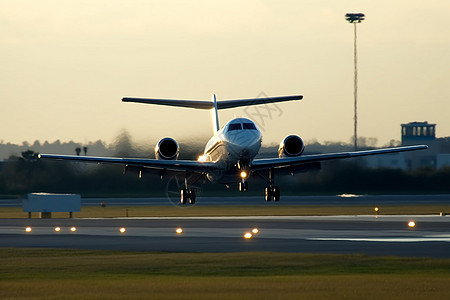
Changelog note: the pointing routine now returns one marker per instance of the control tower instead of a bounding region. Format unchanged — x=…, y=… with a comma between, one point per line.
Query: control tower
x=418, y=133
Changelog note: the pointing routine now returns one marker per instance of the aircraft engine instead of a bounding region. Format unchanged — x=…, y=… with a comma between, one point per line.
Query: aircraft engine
x=167, y=149
x=292, y=145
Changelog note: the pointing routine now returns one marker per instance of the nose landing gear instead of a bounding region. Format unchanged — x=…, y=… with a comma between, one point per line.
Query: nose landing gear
x=243, y=186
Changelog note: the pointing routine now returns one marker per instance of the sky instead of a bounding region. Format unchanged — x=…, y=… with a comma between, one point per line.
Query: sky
x=66, y=64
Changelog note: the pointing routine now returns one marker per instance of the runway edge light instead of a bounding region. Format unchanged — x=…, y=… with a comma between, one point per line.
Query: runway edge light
x=248, y=235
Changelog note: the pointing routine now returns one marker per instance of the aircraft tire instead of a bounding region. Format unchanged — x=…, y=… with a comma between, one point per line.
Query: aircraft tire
x=191, y=197
x=241, y=186
x=276, y=193
x=268, y=193
x=183, y=196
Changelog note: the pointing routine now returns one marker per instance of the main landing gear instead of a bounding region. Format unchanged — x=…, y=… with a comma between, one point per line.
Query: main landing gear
x=272, y=192
x=187, y=196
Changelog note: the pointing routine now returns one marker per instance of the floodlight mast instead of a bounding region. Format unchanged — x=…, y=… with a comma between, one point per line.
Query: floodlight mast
x=355, y=18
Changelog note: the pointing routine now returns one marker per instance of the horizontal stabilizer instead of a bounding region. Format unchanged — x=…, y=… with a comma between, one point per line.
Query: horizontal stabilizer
x=210, y=104
x=173, y=102
x=247, y=102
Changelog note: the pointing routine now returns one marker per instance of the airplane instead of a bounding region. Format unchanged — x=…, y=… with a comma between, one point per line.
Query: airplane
x=229, y=155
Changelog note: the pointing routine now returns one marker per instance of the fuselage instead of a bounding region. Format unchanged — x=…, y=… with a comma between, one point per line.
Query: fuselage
x=233, y=147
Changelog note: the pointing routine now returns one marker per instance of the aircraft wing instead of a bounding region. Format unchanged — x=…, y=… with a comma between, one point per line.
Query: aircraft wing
x=155, y=164
x=268, y=163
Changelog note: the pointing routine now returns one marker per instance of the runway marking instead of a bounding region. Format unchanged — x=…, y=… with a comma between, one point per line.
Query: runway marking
x=389, y=240
x=386, y=218
x=349, y=196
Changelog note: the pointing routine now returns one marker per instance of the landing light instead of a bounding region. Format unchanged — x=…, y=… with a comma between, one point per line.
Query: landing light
x=248, y=235
x=201, y=158
x=28, y=229
x=255, y=230
x=243, y=174
x=57, y=229
x=179, y=230
x=73, y=229
x=123, y=230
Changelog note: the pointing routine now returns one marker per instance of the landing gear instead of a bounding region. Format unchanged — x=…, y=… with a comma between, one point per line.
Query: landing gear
x=243, y=186
x=276, y=193
x=187, y=196
x=272, y=192
x=184, y=196
x=191, y=197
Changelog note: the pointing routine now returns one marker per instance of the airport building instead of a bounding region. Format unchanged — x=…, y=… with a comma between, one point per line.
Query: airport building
x=416, y=133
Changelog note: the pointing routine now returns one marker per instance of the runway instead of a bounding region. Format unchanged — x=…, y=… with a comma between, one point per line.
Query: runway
x=382, y=235
x=344, y=199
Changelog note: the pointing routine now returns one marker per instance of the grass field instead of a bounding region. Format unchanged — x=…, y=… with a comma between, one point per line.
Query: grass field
x=80, y=274
x=241, y=210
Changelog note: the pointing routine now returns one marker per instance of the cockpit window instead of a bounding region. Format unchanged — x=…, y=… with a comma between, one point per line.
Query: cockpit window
x=235, y=126
x=249, y=126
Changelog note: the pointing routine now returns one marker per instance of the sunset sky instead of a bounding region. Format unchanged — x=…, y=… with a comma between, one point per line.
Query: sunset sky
x=65, y=65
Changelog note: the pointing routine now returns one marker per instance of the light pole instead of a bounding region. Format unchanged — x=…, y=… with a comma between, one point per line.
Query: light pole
x=355, y=18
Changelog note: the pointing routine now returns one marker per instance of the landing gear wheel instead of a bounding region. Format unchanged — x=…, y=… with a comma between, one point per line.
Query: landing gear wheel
x=191, y=197
x=272, y=192
x=184, y=196
x=243, y=186
x=268, y=193
x=276, y=193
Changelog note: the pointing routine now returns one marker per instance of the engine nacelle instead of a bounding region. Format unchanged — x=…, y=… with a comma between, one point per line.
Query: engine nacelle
x=167, y=149
x=292, y=145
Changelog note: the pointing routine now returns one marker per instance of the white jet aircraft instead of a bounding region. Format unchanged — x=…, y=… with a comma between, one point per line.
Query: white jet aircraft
x=229, y=156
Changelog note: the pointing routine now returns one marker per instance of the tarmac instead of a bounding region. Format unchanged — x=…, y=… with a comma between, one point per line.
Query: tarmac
x=428, y=236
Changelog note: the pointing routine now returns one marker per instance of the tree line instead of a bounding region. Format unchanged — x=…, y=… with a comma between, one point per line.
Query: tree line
x=26, y=173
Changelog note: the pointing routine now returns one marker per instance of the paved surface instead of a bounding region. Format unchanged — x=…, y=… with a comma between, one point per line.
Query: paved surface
x=385, y=235
x=259, y=200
